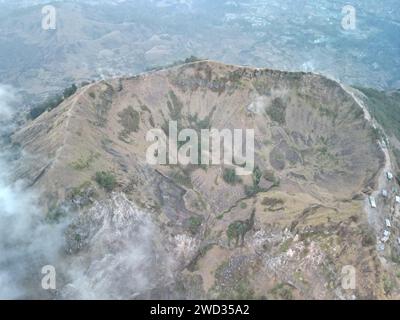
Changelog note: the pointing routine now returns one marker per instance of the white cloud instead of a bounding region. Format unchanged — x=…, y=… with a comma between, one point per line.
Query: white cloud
x=8, y=101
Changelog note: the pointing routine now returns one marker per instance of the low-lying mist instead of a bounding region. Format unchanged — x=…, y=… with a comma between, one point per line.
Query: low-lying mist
x=113, y=250
x=27, y=243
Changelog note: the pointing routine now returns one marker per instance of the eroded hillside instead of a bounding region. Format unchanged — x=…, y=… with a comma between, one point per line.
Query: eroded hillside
x=285, y=231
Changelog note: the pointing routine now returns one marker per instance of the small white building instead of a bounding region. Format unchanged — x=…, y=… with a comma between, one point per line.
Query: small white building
x=384, y=193
x=386, y=233
x=397, y=199
x=372, y=202
x=389, y=175
x=387, y=222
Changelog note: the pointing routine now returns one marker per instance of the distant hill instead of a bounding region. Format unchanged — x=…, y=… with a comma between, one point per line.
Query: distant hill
x=96, y=40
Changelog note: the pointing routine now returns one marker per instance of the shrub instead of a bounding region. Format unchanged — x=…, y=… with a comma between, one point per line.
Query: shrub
x=79, y=191
x=55, y=214
x=106, y=180
x=230, y=176
x=175, y=106
x=388, y=285
x=272, y=202
x=48, y=105
x=328, y=112
x=255, y=188
x=269, y=175
x=368, y=236
x=176, y=63
x=36, y=112
x=250, y=190
x=192, y=59
x=256, y=176
x=52, y=102
x=69, y=91
x=277, y=111
x=194, y=224
x=83, y=162
x=395, y=256
x=243, y=291
x=282, y=291
x=82, y=195
x=129, y=118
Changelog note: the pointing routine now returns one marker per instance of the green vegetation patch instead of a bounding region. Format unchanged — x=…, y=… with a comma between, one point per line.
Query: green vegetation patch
x=79, y=191
x=324, y=156
x=194, y=224
x=328, y=112
x=272, y=202
x=176, y=63
x=385, y=108
x=282, y=291
x=69, y=91
x=107, y=180
x=284, y=247
x=255, y=188
x=175, y=106
x=83, y=194
x=368, y=236
x=52, y=102
x=277, y=111
x=230, y=177
x=388, y=285
x=55, y=214
x=84, y=162
x=269, y=175
x=129, y=118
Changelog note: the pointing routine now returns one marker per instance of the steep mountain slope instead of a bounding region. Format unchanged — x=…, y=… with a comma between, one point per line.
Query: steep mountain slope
x=384, y=106
x=300, y=212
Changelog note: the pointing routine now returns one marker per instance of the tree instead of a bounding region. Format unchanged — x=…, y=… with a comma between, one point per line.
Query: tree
x=70, y=91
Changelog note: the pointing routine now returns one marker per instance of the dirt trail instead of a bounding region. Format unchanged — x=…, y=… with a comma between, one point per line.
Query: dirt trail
x=69, y=113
